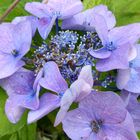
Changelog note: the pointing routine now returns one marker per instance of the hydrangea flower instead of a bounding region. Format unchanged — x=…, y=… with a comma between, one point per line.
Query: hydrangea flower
x=15, y=41
x=53, y=81
x=133, y=107
x=85, y=20
x=100, y=116
x=23, y=91
x=53, y=10
x=129, y=79
x=118, y=45
x=33, y=20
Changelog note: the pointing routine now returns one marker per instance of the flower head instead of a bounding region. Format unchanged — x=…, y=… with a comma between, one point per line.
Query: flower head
x=101, y=115
x=15, y=41
x=48, y=13
x=23, y=91
x=117, y=44
x=85, y=20
x=53, y=81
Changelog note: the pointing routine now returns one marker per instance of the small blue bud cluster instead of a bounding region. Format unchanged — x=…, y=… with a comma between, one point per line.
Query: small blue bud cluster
x=70, y=51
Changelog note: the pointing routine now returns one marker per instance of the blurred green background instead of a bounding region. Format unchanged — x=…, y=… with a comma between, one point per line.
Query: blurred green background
x=126, y=11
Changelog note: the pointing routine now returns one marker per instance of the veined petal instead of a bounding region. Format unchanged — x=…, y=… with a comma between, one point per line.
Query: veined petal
x=53, y=80
x=45, y=25
x=100, y=53
x=101, y=28
x=77, y=91
x=48, y=102
x=86, y=75
x=38, y=9
x=13, y=111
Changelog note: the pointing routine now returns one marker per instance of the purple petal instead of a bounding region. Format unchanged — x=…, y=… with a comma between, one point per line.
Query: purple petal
x=78, y=91
x=48, y=102
x=106, y=106
x=117, y=60
x=86, y=75
x=122, y=131
x=133, y=85
x=38, y=9
x=81, y=21
x=52, y=78
x=13, y=111
x=107, y=15
x=19, y=83
x=129, y=33
x=45, y=25
x=30, y=101
x=136, y=62
x=76, y=124
x=101, y=28
x=122, y=78
x=100, y=53
x=8, y=65
x=133, y=107
x=133, y=53
x=67, y=8
x=33, y=20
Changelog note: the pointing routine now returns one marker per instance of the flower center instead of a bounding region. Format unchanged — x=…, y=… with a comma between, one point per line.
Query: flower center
x=15, y=53
x=61, y=94
x=111, y=47
x=96, y=125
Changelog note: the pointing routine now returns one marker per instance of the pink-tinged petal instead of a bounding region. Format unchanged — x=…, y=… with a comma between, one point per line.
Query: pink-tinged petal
x=86, y=75
x=76, y=124
x=37, y=9
x=53, y=80
x=122, y=78
x=19, y=83
x=77, y=91
x=117, y=60
x=67, y=8
x=133, y=85
x=101, y=28
x=107, y=15
x=33, y=20
x=122, y=131
x=129, y=33
x=100, y=53
x=48, y=103
x=13, y=111
x=104, y=106
x=45, y=25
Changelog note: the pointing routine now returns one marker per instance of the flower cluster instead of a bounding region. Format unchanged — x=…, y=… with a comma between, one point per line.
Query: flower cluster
x=88, y=61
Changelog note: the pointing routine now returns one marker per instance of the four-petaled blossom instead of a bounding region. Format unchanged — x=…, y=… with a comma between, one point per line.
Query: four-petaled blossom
x=54, y=9
x=100, y=116
x=15, y=41
x=53, y=81
x=23, y=91
x=118, y=44
x=129, y=79
x=133, y=106
x=85, y=20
